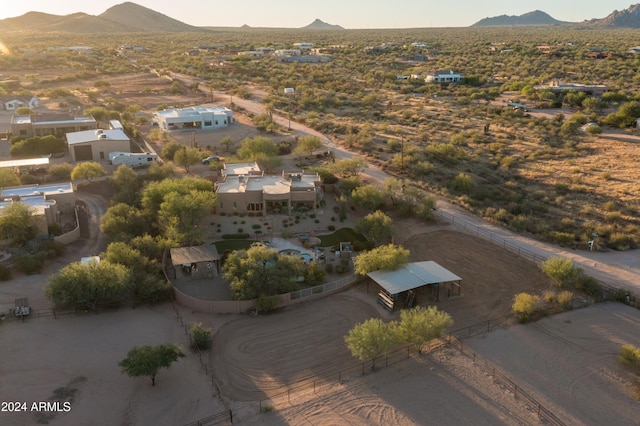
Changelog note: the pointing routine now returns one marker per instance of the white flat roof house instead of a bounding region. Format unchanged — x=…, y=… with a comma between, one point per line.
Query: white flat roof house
x=197, y=117
x=443, y=77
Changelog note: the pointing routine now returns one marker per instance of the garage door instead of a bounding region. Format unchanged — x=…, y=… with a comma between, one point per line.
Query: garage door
x=83, y=153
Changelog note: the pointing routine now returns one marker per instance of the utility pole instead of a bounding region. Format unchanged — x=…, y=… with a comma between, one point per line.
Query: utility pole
x=402, y=154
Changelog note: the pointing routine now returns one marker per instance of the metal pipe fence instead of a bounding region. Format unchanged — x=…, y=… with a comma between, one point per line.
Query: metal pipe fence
x=518, y=392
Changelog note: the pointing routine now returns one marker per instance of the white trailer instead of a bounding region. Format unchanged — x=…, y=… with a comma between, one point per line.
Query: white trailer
x=134, y=159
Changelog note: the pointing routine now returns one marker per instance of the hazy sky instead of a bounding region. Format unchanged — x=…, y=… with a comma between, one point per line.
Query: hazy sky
x=347, y=13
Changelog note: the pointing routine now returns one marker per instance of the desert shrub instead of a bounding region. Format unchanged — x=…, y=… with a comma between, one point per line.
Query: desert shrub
x=201, y=337
x=256, y=226
x=30, y=264
x=561, y=270
x=266, y=303
x=343, y=266
x=462, y=184
x=331, y=228
x=328, y=268
x=564, y=298
x=52, y=248
x=561, y=238
x=619, y=241
x=588, y=285
x=524, y=305
x=630, y=357
x=5, y=273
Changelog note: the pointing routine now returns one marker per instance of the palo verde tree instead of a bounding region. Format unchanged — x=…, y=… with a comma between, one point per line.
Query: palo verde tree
x=388, y=257
x=187, y=157
x=17, y=223
x=260, y=149
x=148, y=360
x=307, y=144
x=88, y=170
x=88, y=285
x=561, y=270
x=261, y=270
x=420, y=324
x=370, y=339
x=377, y=227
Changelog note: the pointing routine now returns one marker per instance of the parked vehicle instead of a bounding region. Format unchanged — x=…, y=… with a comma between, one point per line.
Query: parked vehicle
x=211, y=158
x=133, y=159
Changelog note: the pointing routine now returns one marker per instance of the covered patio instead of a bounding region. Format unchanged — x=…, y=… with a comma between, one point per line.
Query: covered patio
x=398, y=287
x=195, y=261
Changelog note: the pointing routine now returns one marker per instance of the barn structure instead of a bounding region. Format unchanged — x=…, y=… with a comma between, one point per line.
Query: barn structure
x=398, y=287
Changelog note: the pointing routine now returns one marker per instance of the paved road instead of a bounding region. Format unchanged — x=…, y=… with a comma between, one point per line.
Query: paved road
x=620, y=269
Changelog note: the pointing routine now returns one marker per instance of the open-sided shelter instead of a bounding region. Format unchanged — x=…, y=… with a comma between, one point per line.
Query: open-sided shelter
x=400, y=284
x=196, y=259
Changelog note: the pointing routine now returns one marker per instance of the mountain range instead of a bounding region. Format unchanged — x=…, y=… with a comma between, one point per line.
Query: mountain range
x=131, y=17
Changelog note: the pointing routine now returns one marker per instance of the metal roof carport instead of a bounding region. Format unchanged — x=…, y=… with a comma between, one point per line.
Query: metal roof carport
x=414, y=275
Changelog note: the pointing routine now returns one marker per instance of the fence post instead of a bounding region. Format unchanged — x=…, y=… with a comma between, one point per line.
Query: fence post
x=231, y=416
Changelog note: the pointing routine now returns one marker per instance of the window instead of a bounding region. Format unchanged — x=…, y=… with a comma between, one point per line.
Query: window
x=207, y=123
x=216, y=122
x=234, y=205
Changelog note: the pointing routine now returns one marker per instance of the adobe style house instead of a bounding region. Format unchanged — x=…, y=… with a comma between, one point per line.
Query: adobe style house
x=197, y=117
x=251, y=191
x=28, y=126
x=443, y=77
x=46, y=201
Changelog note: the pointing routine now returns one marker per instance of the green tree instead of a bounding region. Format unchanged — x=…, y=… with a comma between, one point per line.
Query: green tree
x=370, y=339
x=148, y=360
x=17, y=223
x=307, y=144
x=153, y=195
x=261, y=270
x=8, y=178
x=388, y=257
x=352, y=166
x=180, y=214
x=314, y=274
x=561, y=270
x=88, y=285
x=61, y=171
x=227, y=143
x=169, y=150
x=524, y=305
x=88, y=170
x=122, y=222
x=260, y=149
x=148, y=281
x=128, y=185
x=187, y=157
x=370, y=197
x=421, y=324
x=201, y=336
x=377, y=227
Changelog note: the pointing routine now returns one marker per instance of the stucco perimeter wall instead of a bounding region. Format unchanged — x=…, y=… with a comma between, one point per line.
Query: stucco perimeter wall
x=243, y=306
x=72, y=235
x=213, y=307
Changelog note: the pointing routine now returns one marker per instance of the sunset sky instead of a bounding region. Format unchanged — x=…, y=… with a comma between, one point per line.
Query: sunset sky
x=349, y=14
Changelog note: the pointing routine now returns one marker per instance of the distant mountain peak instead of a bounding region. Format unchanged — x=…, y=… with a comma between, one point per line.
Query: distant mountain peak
x=320, y=25
x=536, y=17
x=627, y=18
